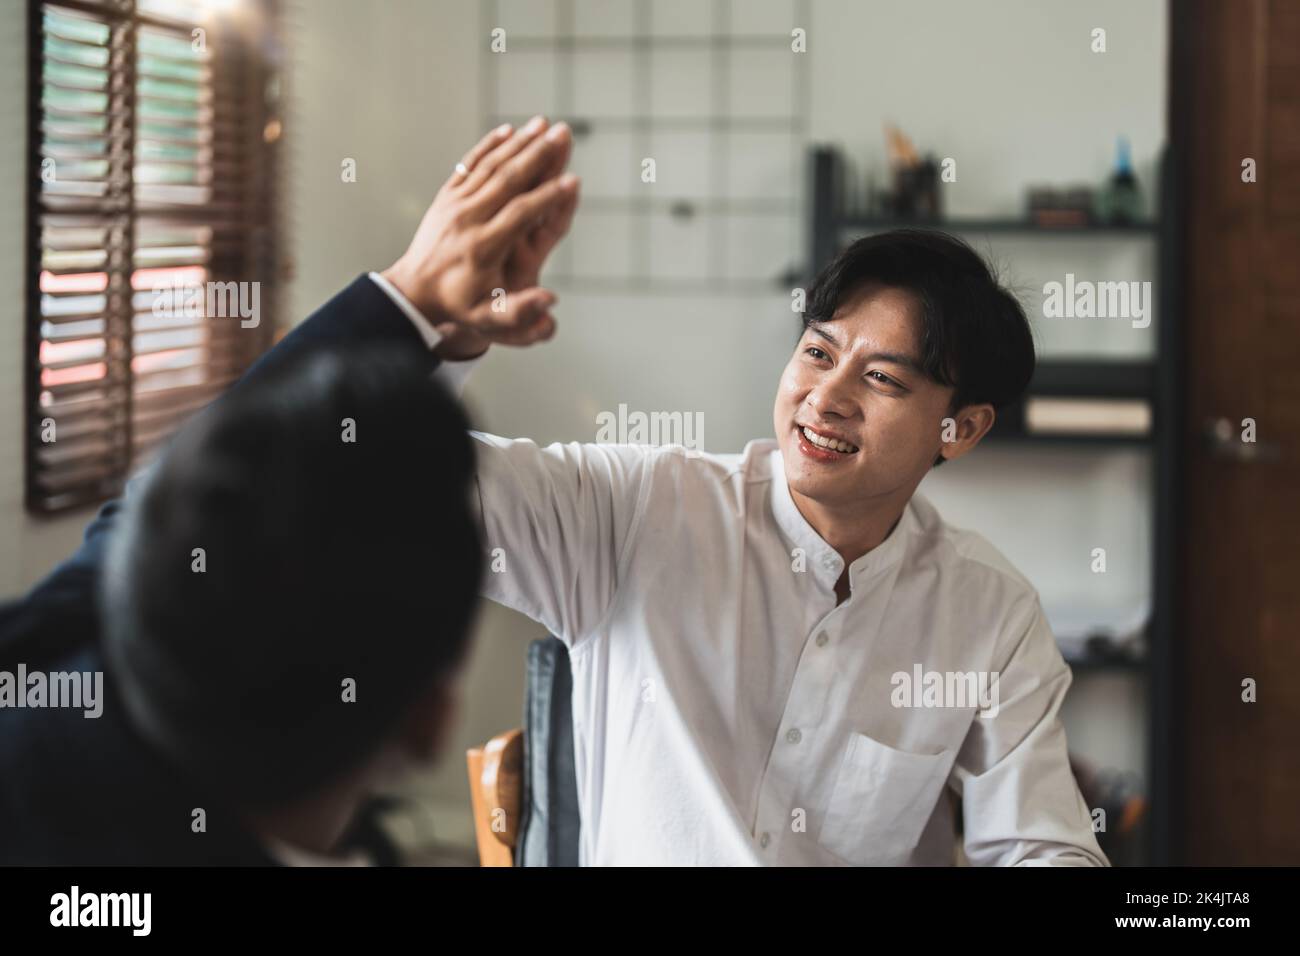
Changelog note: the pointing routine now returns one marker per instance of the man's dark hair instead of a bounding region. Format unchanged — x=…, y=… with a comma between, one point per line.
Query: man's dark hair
x=973, y=333
x=323, y=560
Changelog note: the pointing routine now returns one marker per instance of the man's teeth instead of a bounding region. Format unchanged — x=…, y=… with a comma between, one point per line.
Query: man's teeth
x=834, y=444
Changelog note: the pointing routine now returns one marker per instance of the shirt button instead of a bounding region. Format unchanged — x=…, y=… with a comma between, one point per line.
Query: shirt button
x=764, y=840
x=822, y=638
x=793, y=735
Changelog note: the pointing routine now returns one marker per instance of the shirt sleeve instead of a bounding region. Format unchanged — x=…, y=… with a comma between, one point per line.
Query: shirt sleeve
x=451, y=373
x=557, y=524
x=418, y=319
x=1021, y=804
x=556, y=521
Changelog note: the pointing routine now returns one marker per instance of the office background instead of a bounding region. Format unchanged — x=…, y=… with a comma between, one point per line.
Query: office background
x=652, y=315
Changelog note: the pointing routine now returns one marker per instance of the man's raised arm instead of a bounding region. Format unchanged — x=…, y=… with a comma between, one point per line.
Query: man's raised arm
x=490, y=228
x=556, y=521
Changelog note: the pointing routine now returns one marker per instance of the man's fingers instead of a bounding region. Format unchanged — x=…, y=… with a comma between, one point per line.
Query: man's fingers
x=515, y=318
x=489, y=142
x=543, y=330
x=523, y=172
x=501, y=152
x=521, y=213
x=558, y=159
x=465, y=167
x=556, y=224
x=540, y=330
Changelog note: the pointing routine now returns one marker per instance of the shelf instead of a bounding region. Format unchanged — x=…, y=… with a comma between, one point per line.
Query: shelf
x=663, y=285
x=1094, y=378
x=1013, y=435
x=1087, y=380
x=653, y=41
x=691, y=206
x=584, y=125
x=1103, y=664
x=998, y=226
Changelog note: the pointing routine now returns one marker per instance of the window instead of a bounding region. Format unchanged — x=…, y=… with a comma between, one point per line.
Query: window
x=153, y=133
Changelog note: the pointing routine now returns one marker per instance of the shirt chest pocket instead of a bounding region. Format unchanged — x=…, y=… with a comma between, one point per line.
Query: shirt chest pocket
x=881, y=801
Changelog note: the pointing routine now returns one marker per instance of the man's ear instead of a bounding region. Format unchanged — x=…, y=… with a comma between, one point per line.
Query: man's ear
x=970, y=424
x=424, y=730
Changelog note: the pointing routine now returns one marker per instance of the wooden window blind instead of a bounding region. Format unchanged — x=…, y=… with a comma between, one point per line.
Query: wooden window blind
x=153, y=132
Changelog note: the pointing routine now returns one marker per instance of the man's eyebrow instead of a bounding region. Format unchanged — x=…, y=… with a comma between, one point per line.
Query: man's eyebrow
x=821, y=330
x=897, y=358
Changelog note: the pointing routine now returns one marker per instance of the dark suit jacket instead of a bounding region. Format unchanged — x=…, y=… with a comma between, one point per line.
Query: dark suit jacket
x=77, y=790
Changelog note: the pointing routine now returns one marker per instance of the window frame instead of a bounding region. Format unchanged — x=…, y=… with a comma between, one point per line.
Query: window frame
x=245, y=59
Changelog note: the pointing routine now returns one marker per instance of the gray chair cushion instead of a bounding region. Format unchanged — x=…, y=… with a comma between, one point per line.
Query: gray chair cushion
x=548, y=834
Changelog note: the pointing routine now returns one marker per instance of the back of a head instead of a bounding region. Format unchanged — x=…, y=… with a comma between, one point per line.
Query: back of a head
x=311, y=528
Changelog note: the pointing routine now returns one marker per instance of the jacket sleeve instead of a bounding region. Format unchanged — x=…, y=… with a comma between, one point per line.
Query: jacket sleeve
x=59, y=612
x=361, y=314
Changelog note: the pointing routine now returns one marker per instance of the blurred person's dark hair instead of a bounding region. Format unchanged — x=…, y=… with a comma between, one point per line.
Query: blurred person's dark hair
x=973, y=333
x=324, y=560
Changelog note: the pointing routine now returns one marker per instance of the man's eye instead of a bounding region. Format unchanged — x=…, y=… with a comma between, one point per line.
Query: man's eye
x=882, y=377
x=815, y=352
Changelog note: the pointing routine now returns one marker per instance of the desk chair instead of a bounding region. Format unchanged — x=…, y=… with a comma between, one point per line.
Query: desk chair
x=523, y=785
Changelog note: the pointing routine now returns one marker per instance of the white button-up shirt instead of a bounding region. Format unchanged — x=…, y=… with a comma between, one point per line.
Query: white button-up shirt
x=728, y=711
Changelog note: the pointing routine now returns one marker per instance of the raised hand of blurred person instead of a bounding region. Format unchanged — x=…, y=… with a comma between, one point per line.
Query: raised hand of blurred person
x=474, y=264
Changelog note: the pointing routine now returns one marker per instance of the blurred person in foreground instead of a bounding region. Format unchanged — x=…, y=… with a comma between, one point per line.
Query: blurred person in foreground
x=285, y=598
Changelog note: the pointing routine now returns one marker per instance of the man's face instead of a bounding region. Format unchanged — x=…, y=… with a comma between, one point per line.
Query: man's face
x=857, y=379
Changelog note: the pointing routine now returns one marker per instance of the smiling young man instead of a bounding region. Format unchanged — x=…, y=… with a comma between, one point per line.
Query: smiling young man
x=892, y=327
x=737, y=624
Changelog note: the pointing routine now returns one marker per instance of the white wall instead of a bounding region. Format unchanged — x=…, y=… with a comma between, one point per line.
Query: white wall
x=1009, y=88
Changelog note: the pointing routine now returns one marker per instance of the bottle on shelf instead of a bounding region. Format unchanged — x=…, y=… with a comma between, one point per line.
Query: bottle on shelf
x=1120, y=200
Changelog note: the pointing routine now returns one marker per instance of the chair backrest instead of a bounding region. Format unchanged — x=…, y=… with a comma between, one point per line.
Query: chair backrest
x=496, y=795
x=523, y=783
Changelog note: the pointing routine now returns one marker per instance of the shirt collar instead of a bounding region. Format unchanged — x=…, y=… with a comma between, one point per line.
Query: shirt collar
x=824, y=561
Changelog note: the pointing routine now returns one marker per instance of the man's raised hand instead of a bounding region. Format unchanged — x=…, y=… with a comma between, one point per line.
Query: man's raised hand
x=491, y=226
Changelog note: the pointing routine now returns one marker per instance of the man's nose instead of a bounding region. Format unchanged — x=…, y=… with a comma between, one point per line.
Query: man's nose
x=830, y=398
x=828, y=403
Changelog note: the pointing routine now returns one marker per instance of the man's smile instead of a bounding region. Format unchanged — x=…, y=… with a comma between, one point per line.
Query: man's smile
x=822, y=445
